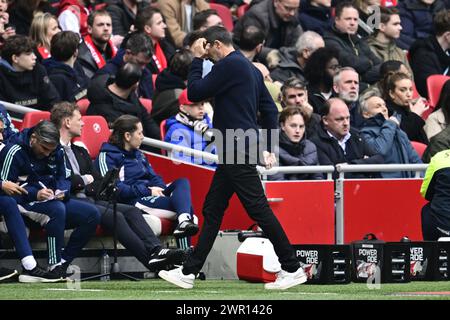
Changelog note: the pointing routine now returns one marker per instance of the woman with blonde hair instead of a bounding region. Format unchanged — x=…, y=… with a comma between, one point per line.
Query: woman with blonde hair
x=43, y=27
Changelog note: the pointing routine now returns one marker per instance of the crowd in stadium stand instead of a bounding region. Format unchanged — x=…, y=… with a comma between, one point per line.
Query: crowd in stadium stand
x=363, y=82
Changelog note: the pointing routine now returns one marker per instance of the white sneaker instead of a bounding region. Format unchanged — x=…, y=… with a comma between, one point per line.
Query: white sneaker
x=178, y=278
x=286, y=280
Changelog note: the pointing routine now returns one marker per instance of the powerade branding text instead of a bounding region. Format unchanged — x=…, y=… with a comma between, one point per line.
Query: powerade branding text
x=311, y=256
x=416, y=254
x=370, y=254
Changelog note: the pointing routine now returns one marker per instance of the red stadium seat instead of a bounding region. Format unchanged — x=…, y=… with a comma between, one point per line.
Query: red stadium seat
x=147, y=103
x=95, y=132
x=224, y=13
x=33, y=118
x=242, y=9
x=434, y=86
x=83, y=104
x=419, y=147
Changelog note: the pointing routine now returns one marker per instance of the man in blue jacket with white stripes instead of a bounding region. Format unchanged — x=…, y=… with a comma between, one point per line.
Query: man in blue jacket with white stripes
x=36, y=160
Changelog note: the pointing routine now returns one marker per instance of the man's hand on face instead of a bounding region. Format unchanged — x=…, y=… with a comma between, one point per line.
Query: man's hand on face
x=200, y=48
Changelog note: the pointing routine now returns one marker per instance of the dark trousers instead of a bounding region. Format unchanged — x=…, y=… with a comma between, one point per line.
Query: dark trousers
x=16, y=226
x=432, y=228
x=133, y=232
x=71, y=214
x=244, y=180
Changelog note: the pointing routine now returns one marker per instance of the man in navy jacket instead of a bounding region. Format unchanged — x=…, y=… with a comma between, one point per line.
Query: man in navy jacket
x=239, y=93
x=35, y=157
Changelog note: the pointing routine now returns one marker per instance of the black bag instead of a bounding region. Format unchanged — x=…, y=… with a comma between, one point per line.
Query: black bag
x=325, y=264
x=107, y=189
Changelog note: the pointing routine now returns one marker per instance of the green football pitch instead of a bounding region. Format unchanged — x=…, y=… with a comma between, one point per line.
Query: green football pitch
x=155, y=289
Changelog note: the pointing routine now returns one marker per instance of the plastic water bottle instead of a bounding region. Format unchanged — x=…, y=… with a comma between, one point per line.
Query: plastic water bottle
x=105, y=267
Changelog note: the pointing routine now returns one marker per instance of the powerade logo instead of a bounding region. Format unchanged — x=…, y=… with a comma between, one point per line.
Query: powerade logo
x=370, y=254
x=309, y=256
x=416, y=254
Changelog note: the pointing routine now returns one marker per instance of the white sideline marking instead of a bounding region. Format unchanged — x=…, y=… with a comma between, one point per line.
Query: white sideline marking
x=181, y=290
x=308, y=293
x=65, y=289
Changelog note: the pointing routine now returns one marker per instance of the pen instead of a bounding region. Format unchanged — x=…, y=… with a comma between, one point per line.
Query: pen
x=42, y=185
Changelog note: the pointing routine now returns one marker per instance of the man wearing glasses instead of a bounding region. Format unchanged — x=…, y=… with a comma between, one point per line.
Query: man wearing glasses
x=278, y=18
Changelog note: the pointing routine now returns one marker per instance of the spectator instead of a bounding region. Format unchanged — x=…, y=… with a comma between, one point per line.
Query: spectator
x=388, y=68
x=382, y=41
x=35, y=154
x=250, y=41
x=6, y=30
x=438, y=122
x=119, y=98
x=366, y=10
x=169, y=85
x=320, y=70
x=417, y=19
x=150, y=22
x=295, y=95
x=132, y=230
x=353, y=52
x=63, y=70
x=179, y=17
x=278, y=19
x=138, y=50
x=383, y=134
x=400, y=102
x=432, y=55
x=293, y=60
x=435, y=214
x=315, y=15
x=337, y=143
x=295, y=149
x=139, y=184
x=21, y=13
x=73, y=16
x=189, y=128
x=440, y=118
x=19, y=71
x=17, y=231
x=206, y=19
x=274, y=88
x=346, y=87
x=43, y=27
x=123, y=15
x=97, y=47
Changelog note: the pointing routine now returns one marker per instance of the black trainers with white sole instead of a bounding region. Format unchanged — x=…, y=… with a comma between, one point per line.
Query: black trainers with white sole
x=187, y=228
x=8, y=275
x=39, y=275
x=164, y=257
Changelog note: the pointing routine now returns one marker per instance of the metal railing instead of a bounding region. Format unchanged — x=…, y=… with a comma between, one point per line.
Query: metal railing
x=347, y=168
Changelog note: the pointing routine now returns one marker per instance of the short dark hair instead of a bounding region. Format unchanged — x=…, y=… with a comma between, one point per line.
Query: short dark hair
x=62, y=110
x=250, y=37
x=47, y=132
x=16, y=45
x=123, y=124
x=140, y=43
x=144, y=17
x=191, y=37
x=218, y=33
x=389, y=66
x=201, y=18
x=94, y=14
x=128, y=75
x=180, y=63
x=64, y=44
x=342, y=5
x=441, y=22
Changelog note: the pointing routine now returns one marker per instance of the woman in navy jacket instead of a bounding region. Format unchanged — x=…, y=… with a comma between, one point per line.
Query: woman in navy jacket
x=139, y=184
